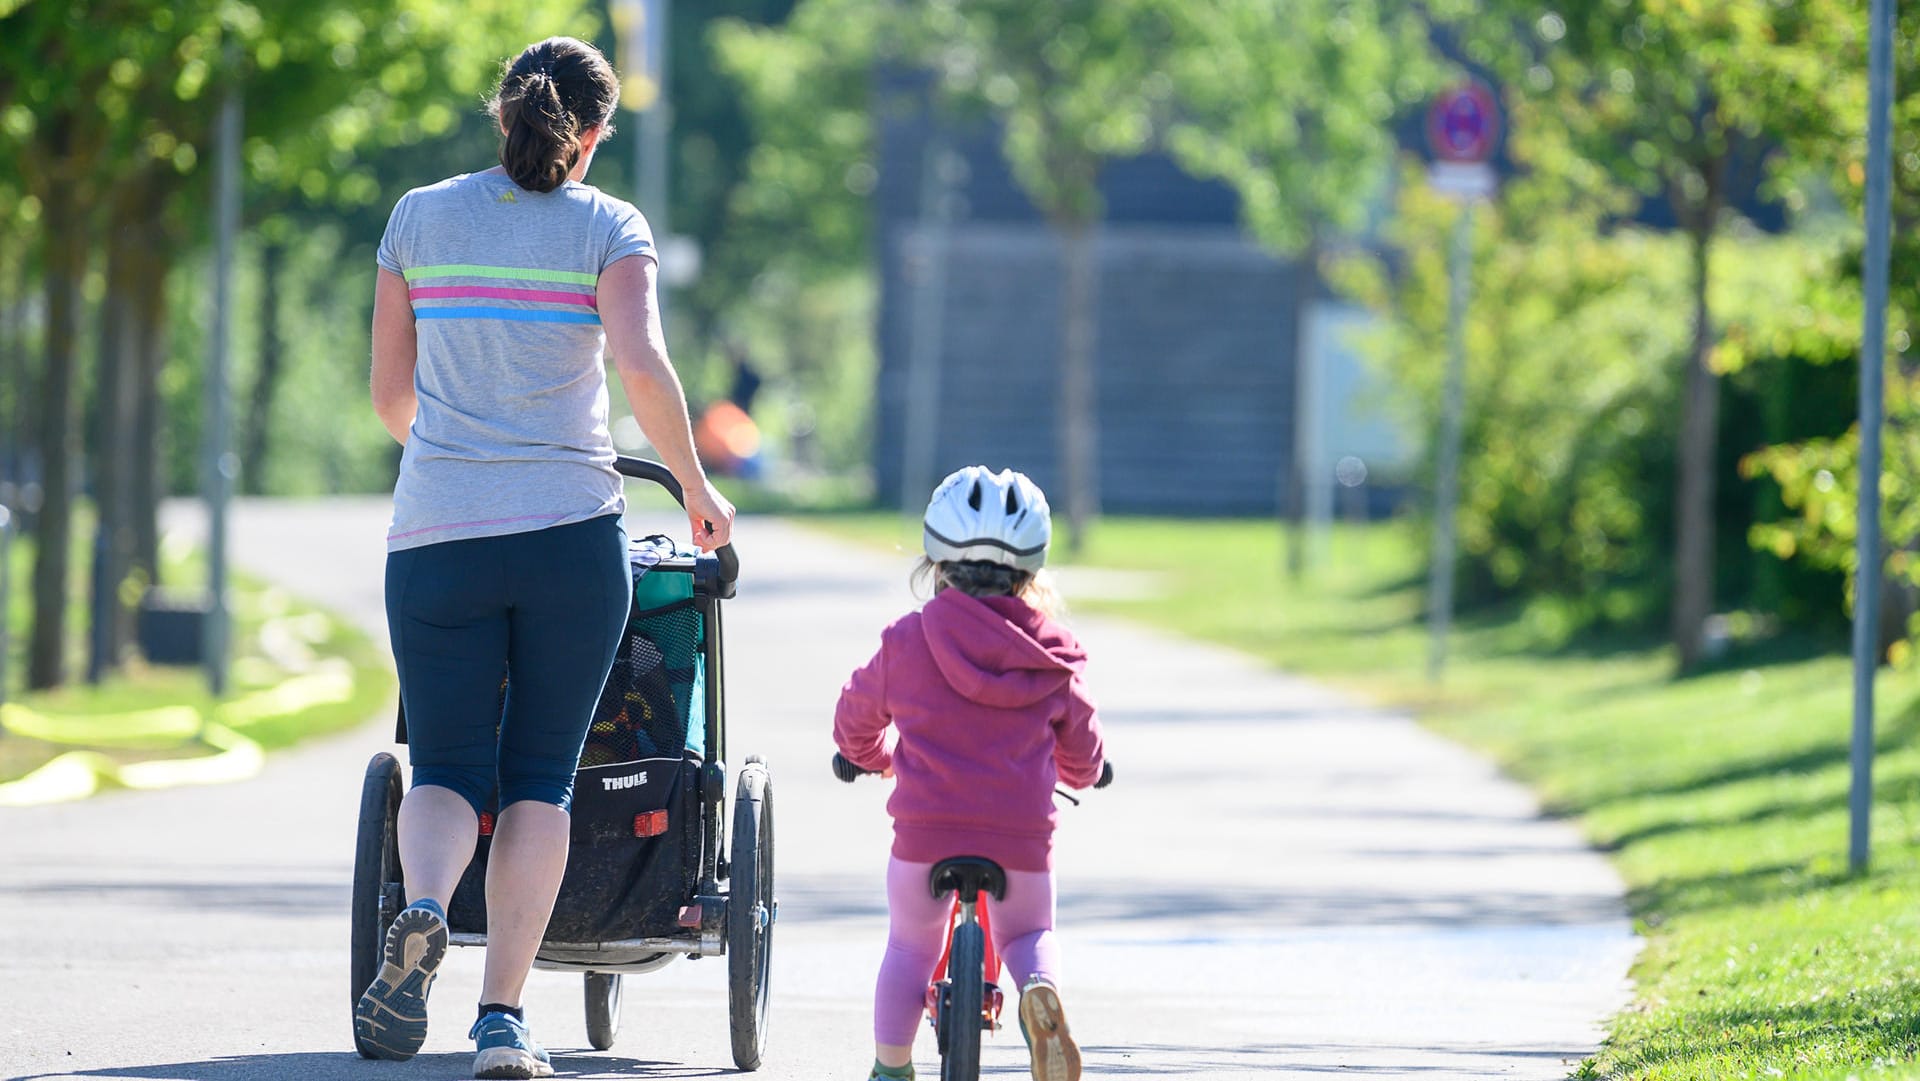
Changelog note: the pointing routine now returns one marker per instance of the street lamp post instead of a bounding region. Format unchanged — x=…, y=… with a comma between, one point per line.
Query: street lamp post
x=1873, y=360
x=221, y=466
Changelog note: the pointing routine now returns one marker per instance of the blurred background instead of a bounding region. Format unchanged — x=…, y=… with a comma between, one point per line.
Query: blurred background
x=1170, y=258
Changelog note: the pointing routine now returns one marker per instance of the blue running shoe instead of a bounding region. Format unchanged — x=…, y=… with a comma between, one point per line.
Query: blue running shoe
x=391, y=1017
x=506, y=1049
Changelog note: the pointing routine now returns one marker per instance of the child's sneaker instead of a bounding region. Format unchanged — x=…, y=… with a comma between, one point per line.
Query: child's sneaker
x=1055, y=1057
x=506, y=1049
x=391, y=1017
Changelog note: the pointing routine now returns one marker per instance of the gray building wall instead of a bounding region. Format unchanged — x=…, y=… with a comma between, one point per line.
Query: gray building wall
x=1194, y=343
x=1193, y=348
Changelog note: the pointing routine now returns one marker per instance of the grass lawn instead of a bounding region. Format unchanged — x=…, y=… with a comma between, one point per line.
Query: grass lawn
x=275, y=638
x=1722, y=798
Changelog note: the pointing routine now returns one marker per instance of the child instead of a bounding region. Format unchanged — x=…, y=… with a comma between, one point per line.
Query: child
x=975, y=705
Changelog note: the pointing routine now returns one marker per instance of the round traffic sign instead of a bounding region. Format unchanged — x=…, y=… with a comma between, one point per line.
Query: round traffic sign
x=1463, y=123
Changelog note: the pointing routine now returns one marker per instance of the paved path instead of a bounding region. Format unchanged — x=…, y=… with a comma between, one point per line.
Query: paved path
x=1281, y=883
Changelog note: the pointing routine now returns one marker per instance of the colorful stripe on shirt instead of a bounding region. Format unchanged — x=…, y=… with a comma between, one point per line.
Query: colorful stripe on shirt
x=463, y=296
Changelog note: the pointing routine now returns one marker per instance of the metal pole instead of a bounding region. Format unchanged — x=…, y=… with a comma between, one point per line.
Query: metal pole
x=651, y=150
x=6, y=593
x=1873, y=360
x=221, y=465
x=1446, y=486
x=926, y=260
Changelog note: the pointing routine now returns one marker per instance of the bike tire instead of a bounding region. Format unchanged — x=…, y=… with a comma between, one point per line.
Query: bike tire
x=967, y=970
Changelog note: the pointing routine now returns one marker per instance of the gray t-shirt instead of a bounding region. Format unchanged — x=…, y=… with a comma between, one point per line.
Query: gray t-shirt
x=511, y=430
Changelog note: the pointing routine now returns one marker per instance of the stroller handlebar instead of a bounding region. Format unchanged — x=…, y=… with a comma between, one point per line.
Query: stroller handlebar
x=647, y=469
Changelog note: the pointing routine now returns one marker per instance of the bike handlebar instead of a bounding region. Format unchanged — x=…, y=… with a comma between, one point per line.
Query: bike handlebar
x=848, y=772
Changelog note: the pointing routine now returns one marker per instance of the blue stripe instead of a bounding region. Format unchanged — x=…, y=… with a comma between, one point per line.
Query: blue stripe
x=512, y=315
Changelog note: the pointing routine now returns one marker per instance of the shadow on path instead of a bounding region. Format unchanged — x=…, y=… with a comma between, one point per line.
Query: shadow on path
x=347, y=1066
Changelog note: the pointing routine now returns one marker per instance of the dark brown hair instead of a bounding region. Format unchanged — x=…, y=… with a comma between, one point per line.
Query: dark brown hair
x=977, y=578
x=548, y=98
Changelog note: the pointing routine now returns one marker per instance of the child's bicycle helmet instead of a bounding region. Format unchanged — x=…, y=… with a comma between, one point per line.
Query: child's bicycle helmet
x=976, y=515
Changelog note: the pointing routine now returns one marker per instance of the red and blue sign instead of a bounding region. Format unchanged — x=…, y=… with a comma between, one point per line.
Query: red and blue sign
x=1463, y=123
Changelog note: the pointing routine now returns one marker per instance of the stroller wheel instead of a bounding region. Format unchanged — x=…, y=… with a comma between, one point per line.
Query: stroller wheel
x=603, y=1009
x=378, y=893
x=751, y=911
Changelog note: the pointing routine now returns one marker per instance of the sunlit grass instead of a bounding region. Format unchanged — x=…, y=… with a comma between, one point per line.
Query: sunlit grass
x=274, y=637
x=1722, y=798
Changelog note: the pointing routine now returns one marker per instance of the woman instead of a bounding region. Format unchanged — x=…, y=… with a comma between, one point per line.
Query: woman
x=498, y=292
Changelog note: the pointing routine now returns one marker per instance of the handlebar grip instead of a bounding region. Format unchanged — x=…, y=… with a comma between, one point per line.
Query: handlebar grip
x=647, y=469
x=846, y=770
x=1106, y=775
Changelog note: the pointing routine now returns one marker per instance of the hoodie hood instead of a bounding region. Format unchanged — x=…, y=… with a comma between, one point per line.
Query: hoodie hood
x=998, y=651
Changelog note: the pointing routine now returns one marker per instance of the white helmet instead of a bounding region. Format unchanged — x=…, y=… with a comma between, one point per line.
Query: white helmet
x=992, y=517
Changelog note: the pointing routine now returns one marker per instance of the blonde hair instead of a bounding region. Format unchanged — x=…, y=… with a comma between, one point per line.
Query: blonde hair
x=977, y=578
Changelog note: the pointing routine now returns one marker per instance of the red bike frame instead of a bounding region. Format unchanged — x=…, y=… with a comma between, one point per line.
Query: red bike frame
x=989, y=1009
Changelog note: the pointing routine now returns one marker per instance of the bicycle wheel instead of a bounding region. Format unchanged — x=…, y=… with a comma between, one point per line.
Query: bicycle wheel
x=966, y=967
x=377, y=890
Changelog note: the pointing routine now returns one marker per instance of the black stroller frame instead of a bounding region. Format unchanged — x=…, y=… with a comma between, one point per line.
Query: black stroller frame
x=693, y=896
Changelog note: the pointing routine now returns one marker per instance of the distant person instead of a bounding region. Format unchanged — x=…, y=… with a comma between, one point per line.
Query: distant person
x=975, y=705
x=498, y=294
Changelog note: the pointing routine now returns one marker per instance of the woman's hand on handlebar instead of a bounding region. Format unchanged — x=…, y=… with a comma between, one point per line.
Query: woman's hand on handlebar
x=710, y=515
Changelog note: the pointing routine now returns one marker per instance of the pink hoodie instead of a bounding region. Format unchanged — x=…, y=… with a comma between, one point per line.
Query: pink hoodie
x=978, y=706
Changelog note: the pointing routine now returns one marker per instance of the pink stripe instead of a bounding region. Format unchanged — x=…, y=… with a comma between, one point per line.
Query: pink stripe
x=550, y=296
x=464, y=525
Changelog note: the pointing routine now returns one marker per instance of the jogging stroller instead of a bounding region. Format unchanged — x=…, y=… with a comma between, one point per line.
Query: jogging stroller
x=648, y=878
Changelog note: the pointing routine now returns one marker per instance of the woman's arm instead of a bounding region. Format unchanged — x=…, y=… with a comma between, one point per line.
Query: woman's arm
x=631, y=316
x=394, y=352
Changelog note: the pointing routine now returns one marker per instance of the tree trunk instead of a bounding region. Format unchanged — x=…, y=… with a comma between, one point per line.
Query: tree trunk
x=64, y=229
x=1293, y=509
x=148, y=334
x=1693, y=561
x=258, y=420
x=13, y=371
x=1079, y=407
x=115, y=460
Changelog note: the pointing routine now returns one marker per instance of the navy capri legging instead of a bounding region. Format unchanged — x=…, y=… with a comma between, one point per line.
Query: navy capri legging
x=546, y=608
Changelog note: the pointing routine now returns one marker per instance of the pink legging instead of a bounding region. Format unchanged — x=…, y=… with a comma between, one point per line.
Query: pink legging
x=917, y=930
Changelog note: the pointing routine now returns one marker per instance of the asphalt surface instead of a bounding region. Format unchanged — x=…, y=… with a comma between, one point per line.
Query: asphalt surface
x=1281, y=883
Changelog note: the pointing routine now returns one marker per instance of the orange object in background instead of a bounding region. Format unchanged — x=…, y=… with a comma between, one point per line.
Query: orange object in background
x=728, y=440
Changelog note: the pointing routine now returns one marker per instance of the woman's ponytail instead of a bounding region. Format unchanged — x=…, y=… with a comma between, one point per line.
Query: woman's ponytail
x=548, y=99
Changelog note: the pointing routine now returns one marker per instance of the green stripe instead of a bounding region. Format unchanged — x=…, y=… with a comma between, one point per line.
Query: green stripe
x=511, y=273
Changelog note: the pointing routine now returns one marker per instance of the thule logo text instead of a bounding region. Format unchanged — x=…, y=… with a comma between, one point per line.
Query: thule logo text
x=614, y=784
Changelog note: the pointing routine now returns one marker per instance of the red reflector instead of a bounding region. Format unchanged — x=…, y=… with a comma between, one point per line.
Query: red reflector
x=650, y=824
x=690, y=915
x=486, y=824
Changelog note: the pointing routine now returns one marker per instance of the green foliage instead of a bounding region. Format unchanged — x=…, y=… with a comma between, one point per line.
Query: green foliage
x=1073, y=84
x=1819, y=480
x=1572, y=343
x=794, y=258
x=805, y=87
x=1300, y=122
x=324, y=435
